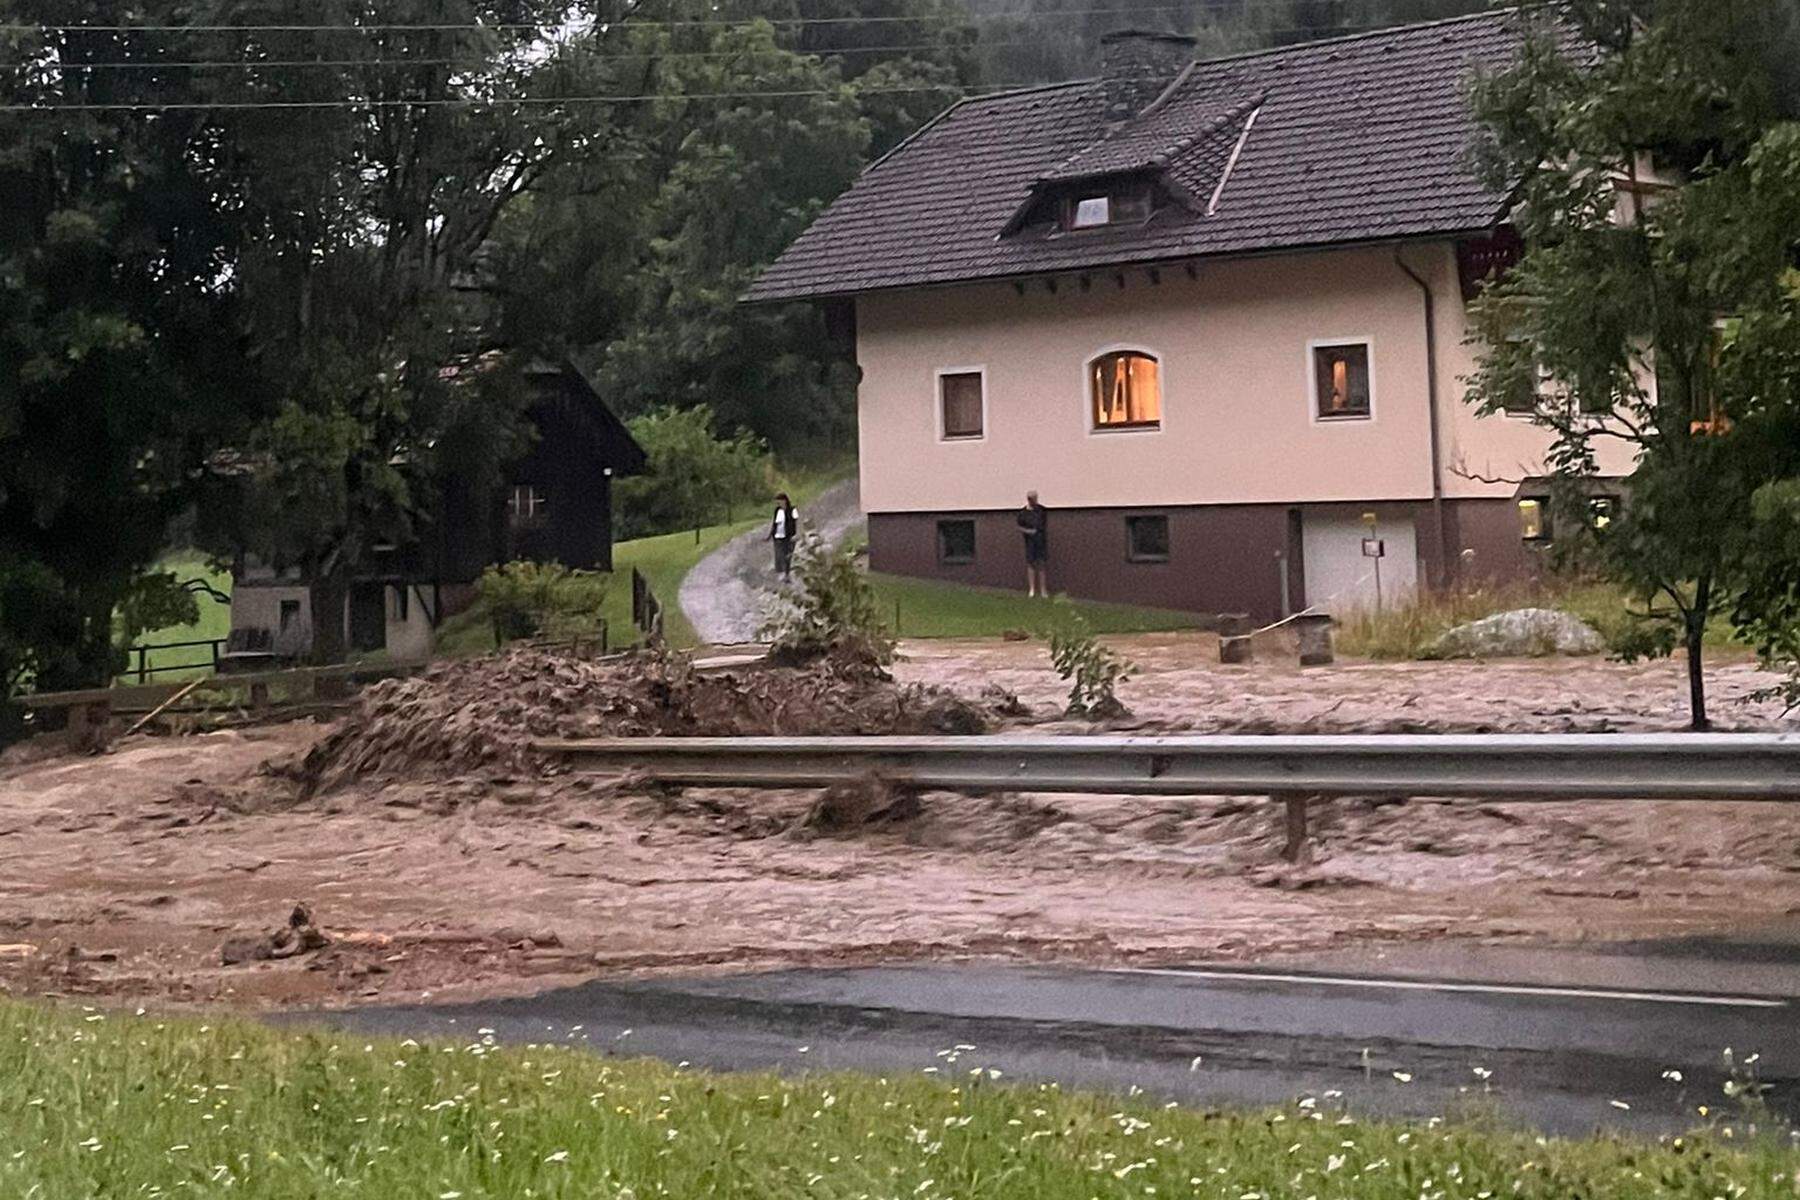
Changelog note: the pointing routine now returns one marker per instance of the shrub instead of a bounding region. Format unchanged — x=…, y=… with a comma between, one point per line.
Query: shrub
x=833, y=613
x=691, y=477
x=529, y=599
x=1092, y=671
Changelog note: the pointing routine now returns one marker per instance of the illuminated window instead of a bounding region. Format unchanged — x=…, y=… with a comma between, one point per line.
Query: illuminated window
x=956, y=541
x=1534, y=519
x=1341, y=381
x=526, y=504
x=1126, y=390
x=1602, y=510
x=959, y=394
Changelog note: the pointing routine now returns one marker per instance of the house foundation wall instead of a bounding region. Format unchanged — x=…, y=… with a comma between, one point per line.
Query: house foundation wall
x=1225, y=558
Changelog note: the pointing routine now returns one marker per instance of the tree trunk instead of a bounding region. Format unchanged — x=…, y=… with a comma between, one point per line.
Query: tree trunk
x=328, y=592
x=1694, y=636
x=1696, y=679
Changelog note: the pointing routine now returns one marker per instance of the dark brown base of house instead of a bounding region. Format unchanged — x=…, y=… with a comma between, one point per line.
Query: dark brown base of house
x=1221, y=558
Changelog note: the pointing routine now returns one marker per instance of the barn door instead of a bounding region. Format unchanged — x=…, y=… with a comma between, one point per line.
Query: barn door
x=368, y=617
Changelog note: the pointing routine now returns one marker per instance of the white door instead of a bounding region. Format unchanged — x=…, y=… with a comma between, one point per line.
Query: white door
x=1340, y=577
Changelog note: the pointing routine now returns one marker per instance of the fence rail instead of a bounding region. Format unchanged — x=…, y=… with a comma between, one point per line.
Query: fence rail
x=140, y=656
x=1295, y=769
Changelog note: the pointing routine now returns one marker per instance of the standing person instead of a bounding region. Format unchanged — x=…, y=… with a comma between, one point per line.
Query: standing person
x=783, y=529
x=1034, y=524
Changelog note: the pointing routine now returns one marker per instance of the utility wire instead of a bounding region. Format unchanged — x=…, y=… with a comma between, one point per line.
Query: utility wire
x=648, y=23
x=259, y=63
x=478, y=102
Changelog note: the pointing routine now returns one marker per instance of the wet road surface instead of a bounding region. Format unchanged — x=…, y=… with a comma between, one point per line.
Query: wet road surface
x=1580, y=1040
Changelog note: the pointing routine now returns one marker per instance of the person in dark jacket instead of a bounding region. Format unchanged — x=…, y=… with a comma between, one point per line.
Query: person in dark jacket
x=1034, y=524
x=784, y=527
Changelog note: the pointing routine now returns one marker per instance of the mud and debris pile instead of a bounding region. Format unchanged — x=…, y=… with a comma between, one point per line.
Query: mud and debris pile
x=481, y=715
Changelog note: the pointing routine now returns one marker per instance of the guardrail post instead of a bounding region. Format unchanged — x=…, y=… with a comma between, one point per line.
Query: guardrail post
x=1294, y=804
x=259, y=698
x=143, y=671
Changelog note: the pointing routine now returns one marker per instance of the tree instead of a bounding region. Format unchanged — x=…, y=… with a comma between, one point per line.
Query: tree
x=691, y=477
x=1661, y=316
x=116, y=380
x=634, y=264
x=362, y=219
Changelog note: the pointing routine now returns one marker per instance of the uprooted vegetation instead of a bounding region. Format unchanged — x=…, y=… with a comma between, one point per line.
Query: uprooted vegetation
x=833, y=616
x=481, y=715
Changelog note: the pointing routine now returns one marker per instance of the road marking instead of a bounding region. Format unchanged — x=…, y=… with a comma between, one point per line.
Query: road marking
x=1424, y=985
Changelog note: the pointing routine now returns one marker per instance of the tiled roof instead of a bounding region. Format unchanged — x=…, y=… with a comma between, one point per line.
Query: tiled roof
x=1354, y=139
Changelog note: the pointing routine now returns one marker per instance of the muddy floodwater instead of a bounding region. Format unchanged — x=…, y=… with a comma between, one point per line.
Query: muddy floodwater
x=437, y=871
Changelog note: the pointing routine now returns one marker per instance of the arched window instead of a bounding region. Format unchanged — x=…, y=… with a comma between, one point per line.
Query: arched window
x=1125, y=388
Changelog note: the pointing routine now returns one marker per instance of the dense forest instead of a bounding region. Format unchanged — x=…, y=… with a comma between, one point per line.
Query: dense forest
x=248, y=243
x=1041, y=41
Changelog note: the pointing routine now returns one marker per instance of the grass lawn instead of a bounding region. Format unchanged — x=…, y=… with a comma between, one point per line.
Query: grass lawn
x=214, y=622
x=931, y=609
x=664, y=561
x=112, y=1104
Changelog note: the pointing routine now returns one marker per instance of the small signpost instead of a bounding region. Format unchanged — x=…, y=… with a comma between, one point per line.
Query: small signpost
x=1374, y=547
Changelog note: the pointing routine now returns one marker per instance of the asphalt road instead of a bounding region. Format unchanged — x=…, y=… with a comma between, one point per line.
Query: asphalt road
x=1433, y=1033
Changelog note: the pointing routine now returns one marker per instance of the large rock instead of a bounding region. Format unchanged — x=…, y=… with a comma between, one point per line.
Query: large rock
x=1525, y=632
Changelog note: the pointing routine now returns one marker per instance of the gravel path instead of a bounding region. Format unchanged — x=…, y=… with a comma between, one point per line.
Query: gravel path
x=722, y=595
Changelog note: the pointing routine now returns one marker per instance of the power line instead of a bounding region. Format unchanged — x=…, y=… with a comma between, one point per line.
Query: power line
x=479, y=102
x=182, y=64
x=644, y=23
x=341, y=63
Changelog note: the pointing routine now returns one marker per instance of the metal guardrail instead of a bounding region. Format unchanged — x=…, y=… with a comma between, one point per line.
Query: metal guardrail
x=1514, y=767
x=1294, y=769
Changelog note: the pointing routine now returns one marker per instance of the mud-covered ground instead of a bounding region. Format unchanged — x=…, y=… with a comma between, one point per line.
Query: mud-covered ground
x=439, y=871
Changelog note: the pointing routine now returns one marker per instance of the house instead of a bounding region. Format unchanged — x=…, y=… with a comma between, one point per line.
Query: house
x=554, y=506
x=1215, y=313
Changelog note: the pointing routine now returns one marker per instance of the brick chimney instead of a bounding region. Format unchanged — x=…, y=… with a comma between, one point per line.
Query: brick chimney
x=1137, y=65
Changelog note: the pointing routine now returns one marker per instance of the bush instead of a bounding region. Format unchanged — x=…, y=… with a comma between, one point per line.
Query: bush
x=833, y=614
x=528, y=599
x=1092, y=671
x=692, y=478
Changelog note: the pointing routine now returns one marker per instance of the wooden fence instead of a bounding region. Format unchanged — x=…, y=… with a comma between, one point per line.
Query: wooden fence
x=646, y=610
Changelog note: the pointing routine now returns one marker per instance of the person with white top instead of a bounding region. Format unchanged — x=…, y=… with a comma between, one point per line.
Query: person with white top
x=783, y=529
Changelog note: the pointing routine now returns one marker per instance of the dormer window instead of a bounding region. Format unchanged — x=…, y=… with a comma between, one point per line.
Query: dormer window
x=1122, y=204
x=1091, y=211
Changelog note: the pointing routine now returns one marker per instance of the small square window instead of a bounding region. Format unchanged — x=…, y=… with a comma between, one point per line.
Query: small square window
x=397, y=603
x=290, y=614
x=526, y=504
x=1341, y=381
x=1091, y=211
x=1602, y=510
x=959, y=393
x=1534, y=519
x=956, y=541
x=1147, y=539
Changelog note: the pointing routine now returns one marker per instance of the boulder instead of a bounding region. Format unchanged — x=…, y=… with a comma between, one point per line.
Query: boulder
x=1525, y=632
